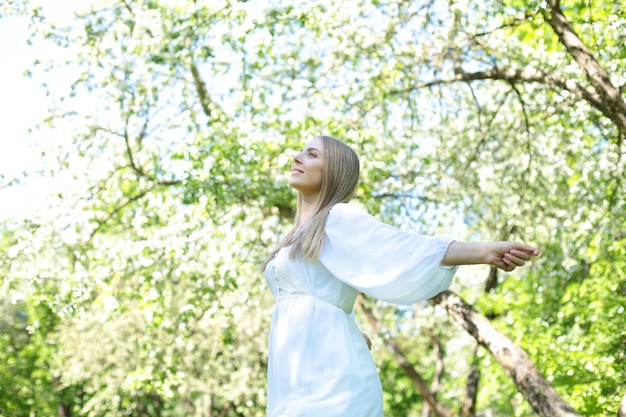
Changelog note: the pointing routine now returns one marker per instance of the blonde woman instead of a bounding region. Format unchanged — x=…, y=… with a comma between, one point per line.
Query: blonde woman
x=319, y=363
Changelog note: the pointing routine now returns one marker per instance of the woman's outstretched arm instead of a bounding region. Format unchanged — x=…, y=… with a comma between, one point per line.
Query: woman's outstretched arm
x=504, y=255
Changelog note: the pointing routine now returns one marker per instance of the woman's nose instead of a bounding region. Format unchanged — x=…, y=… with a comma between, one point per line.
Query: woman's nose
x=298, y=157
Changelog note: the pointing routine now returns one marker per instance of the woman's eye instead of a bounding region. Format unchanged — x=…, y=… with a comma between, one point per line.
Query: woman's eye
x=312, y=154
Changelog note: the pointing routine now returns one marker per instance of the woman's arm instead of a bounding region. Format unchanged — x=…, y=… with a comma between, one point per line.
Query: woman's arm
x=504, y=255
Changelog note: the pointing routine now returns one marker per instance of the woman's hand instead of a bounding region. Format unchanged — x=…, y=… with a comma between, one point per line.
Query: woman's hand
x=508, y=255
x=504, y=255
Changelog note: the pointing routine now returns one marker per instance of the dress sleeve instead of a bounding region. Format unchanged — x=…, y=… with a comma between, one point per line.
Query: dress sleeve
x=383, y=261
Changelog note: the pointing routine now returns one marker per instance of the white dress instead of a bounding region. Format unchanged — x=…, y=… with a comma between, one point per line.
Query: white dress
x=319, y=364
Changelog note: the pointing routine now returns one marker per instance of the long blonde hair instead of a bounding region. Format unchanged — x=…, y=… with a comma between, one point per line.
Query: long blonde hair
x=340, y=177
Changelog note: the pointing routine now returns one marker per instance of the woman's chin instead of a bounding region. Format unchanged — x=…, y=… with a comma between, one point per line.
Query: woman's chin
x=293, y=184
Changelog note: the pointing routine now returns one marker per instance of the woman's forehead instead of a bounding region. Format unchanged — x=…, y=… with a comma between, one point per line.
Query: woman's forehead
x=316, y=143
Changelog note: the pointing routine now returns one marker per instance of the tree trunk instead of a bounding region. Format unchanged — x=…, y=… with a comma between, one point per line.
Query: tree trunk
x=439, y=368
x=538, y=392
x=622, y=407
x=468, y=405
x=64, y=409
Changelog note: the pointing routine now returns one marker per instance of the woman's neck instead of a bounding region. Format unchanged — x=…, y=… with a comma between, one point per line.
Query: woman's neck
x=306, y=210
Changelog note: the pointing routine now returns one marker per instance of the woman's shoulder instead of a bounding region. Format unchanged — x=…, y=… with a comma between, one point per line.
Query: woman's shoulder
x=342, y=212
x=346, y=208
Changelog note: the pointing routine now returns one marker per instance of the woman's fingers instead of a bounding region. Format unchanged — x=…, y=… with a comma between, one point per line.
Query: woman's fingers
x=527, y=249
x=517, y=255
x=520, y=254
x=508, y=265
x=514, y=260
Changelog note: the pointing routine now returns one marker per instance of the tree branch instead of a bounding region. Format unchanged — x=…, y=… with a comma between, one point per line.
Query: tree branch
x=101, y=222
x=9, y=183
x=134, y=164
x=542, y=397
x=136, y=167
x=615, y=107
x=515, y=75
x=128, y=7
x=201, y=89
x=225, y=409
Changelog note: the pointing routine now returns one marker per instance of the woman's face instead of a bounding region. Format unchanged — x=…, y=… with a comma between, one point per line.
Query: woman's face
x=307, y=169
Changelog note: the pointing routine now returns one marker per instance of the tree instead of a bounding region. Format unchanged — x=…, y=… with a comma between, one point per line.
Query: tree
x=495, y=120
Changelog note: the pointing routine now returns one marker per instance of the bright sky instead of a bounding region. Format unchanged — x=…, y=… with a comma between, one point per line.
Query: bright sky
x=22, y=105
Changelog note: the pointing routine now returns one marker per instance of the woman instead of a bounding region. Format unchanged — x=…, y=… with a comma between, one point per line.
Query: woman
x=319, y=363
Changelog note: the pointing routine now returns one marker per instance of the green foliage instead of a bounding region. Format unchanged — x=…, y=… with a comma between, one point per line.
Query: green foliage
x=24, y=356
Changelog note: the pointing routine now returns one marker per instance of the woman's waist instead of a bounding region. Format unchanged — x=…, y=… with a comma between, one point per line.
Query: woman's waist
x=301, y=298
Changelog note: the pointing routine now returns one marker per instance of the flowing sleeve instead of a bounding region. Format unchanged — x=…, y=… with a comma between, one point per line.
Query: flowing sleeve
x=383, y=261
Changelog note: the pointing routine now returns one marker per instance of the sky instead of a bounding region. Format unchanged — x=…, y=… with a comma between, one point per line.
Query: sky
x=23, y=103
